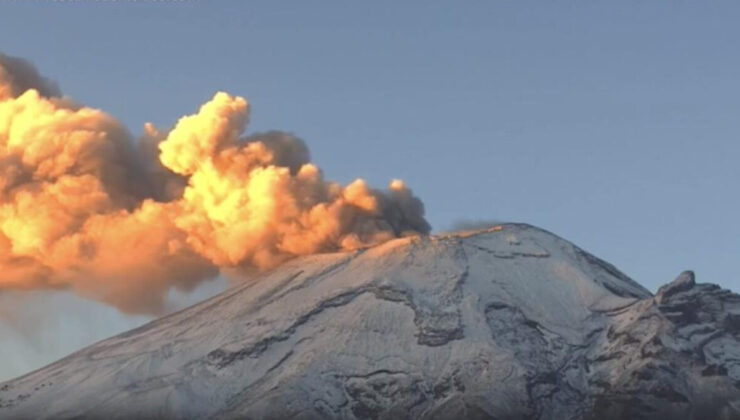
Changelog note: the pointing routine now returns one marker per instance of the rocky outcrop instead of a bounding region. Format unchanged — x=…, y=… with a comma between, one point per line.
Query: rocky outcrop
x=674, y=356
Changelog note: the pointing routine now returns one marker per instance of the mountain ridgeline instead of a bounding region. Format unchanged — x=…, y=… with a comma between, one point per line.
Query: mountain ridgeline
x=510, y=322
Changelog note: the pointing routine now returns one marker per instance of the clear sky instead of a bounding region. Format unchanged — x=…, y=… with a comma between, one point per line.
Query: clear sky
x=612, y=124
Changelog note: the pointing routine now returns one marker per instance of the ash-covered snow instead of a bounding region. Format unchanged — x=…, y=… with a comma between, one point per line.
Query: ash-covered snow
x=506, y=323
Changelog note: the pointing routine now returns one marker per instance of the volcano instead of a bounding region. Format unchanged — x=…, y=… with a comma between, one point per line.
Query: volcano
x=510, y=322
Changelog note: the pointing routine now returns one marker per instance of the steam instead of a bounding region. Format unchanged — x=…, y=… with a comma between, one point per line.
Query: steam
x=83, y=206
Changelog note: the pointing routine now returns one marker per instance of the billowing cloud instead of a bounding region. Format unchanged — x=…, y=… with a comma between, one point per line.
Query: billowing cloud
x=84, y=206
x=18, y=75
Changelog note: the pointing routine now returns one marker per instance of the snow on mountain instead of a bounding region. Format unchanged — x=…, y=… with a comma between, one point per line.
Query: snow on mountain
x=507, y=323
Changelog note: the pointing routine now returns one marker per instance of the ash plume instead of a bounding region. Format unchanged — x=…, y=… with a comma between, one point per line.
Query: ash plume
x=84, y=206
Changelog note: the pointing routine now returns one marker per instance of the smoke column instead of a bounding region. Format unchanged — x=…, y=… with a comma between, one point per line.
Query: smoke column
x=84, y=206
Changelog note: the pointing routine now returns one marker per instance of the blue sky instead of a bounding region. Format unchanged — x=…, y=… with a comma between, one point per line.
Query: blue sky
x=612, y=124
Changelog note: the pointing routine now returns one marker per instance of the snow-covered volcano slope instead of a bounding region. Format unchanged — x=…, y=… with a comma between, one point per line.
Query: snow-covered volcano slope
x=510, y=322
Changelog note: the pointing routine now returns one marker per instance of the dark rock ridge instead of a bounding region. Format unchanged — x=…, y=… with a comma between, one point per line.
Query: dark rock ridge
x=506, y=323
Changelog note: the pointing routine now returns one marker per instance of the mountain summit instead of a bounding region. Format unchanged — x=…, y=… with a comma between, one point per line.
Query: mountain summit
x=511, y=322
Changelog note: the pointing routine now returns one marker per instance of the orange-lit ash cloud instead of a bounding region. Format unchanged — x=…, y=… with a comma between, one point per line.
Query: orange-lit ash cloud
x=84, y=206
